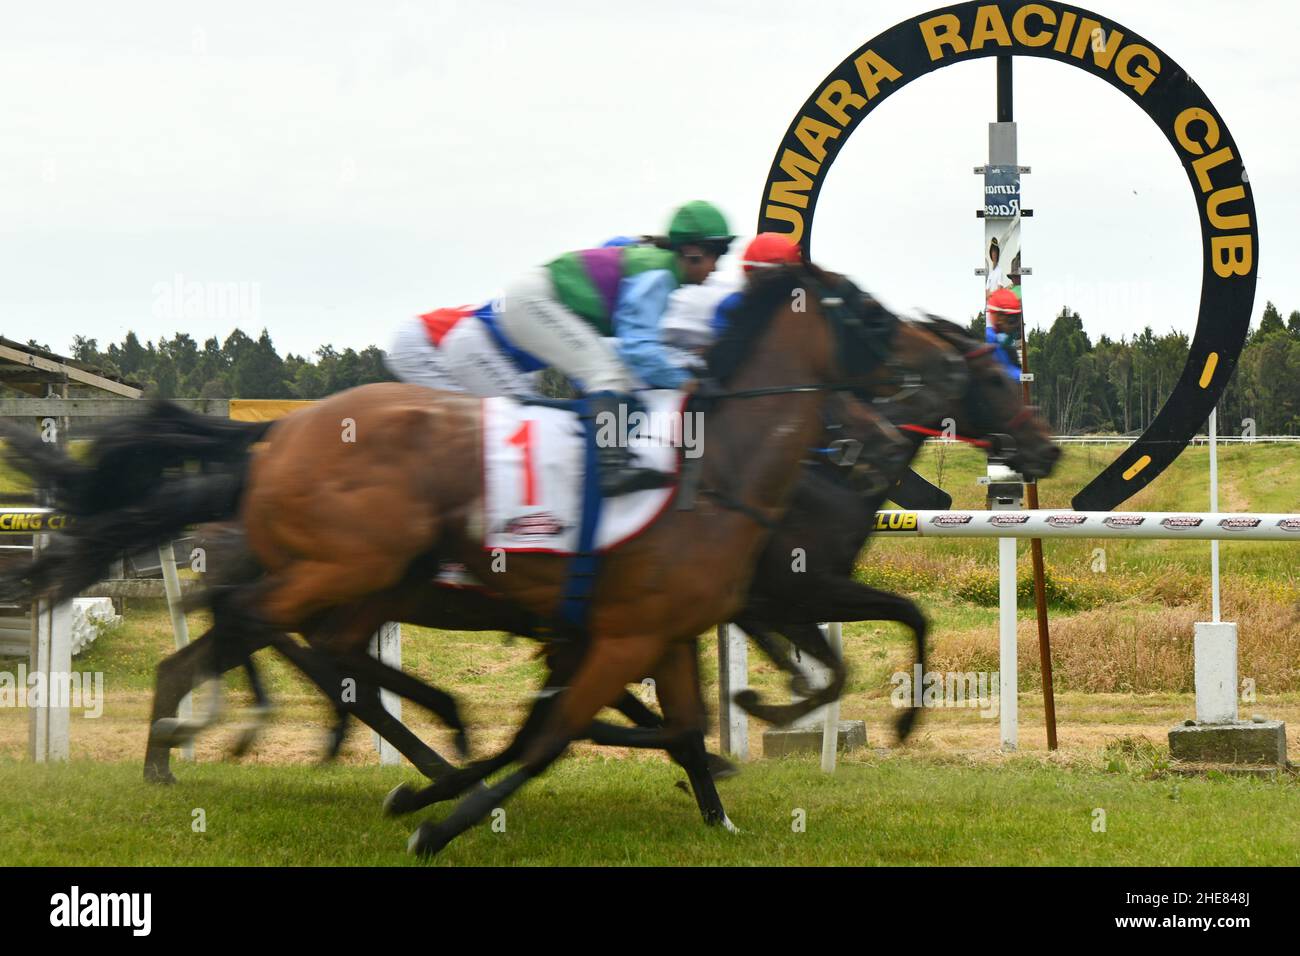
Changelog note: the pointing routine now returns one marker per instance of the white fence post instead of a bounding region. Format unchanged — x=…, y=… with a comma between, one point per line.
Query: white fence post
x=733, y=677
x=1215, y=653
x=1007, y=642
x=51, y=659
x=831, y=725
x=387, y=646
x=180, y=628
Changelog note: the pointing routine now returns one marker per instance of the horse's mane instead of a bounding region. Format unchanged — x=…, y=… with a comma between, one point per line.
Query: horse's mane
x=955, y=335
x=759, y=304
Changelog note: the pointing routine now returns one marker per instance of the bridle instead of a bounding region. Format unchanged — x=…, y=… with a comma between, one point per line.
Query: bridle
x=863, y=335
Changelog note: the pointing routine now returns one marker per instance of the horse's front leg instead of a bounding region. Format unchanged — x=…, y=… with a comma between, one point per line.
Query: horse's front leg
x=849, y=600
x=606, y=670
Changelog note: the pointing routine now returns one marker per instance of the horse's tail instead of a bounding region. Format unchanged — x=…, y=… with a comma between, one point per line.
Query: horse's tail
x=125, y=495
x=128, y=459
x=81, y=554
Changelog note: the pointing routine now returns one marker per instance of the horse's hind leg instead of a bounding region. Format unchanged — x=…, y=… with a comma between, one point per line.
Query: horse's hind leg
x=210, y=655
x=433, y=699
x=367, y=706
x=176, y=676
x=250, y=730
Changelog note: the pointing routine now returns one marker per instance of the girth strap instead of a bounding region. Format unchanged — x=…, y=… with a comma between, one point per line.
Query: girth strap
x=580, y=582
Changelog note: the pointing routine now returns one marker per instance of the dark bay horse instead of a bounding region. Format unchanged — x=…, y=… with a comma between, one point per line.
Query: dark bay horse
x=837, y=513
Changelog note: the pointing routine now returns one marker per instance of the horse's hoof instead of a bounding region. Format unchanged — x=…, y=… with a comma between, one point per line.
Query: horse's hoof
x=728, y=825
x=244, y=744
x=333, y=745
x=158, y=775
x=400, y=800
x=747, y=700
x=175, y=732
x=462, y=744
x=427, y=840
x=906, y=723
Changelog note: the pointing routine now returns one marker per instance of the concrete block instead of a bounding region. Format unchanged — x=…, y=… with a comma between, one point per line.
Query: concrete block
x=1259, y=741
x=808, y=740
x=1216, y=672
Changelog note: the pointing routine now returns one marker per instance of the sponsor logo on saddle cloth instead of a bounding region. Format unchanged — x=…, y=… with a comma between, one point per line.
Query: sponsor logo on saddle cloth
x=533, y=459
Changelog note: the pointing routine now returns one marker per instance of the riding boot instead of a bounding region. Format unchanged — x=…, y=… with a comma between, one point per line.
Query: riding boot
x=618, y=475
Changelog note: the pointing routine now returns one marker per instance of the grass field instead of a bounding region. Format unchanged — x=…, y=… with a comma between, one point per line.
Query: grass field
x=1123, y=666
x=593, y=810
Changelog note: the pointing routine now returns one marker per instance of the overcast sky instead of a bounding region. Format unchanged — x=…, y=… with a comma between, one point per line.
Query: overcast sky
x=350, y=164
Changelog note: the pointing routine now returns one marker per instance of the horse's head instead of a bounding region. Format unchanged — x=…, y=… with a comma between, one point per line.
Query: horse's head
x=863, y=351
x=990, y=408
x=816, y=327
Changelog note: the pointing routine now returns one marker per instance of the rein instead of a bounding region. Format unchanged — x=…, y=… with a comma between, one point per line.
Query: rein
x=936, y=433
x=735, y=504
x=781, y=390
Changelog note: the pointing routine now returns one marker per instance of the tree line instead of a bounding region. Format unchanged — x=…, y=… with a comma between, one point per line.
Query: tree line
x=1082, y=386
x=1118, y=385
x=239, y=367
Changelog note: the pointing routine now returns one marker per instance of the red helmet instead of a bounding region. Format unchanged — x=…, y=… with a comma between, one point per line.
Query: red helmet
x=769, y=249
x=1004, y=301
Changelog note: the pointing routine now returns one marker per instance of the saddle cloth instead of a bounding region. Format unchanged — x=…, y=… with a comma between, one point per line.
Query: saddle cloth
x=533, y=459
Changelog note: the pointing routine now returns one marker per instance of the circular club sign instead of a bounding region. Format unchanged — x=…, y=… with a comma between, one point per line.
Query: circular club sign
x=1131, y=64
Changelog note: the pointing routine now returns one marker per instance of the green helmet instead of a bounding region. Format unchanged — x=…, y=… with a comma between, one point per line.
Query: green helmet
x=696, y=222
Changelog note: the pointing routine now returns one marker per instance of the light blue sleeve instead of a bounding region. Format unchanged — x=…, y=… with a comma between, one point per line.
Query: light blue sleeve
x=1001, y=354
x=642, y=301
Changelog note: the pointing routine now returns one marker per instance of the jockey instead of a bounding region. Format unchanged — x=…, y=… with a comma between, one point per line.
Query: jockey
x=559, y=313
x=1001, y=321
x=462, y=350
x=698, y=314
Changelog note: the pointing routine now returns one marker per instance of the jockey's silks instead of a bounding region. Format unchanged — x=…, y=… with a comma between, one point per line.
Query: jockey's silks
x=439, y=322
x=587, y=282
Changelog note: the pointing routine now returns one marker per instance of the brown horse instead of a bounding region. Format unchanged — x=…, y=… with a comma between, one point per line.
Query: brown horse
x=360, y=489
x=856, y=439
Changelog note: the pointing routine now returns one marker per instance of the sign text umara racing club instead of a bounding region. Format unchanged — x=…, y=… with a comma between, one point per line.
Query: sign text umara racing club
x=896, y=58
